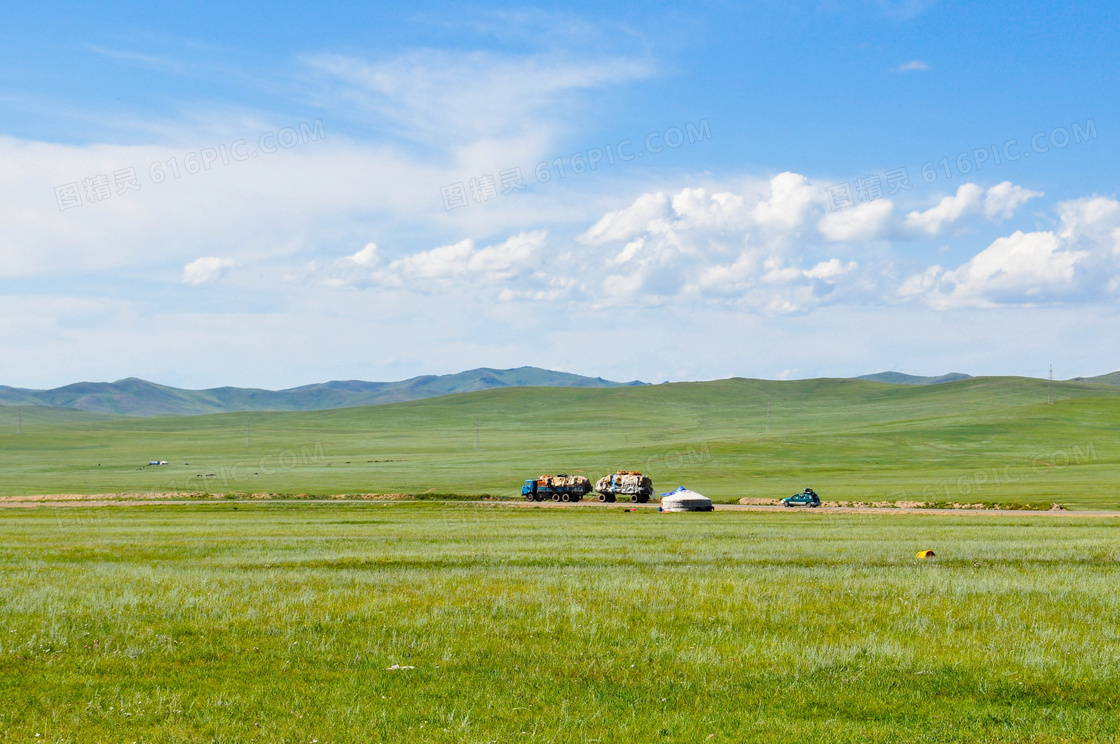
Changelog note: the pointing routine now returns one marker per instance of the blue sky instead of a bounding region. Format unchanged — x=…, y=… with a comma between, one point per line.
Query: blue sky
x=324, y=223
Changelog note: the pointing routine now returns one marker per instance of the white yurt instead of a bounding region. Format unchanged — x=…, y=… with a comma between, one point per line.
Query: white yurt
x=684, y=499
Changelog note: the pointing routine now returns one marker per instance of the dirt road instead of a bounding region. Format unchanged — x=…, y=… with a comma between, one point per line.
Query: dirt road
x=821, y=510
x=119, y=499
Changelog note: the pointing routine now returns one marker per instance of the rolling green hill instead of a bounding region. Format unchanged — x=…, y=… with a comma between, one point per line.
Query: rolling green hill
x=133, y=397
x=972, y=441
x=899, y=378
x=1113, y=378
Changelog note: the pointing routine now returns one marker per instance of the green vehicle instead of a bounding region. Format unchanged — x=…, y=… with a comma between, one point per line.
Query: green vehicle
x=808, y=497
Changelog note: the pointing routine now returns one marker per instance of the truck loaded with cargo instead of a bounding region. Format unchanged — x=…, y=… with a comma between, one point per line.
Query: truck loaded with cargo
x=625, y=485
x=631, y=483
x=565, y=488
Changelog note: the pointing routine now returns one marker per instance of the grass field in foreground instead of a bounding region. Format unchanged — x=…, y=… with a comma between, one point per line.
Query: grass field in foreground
x=975, y=441
x=234, y=622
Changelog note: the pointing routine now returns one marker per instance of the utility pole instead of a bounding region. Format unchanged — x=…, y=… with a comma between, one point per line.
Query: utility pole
x=767, y=418
x=249, y=431
x=1050, y=393
x=19, y=421
x=476, y=432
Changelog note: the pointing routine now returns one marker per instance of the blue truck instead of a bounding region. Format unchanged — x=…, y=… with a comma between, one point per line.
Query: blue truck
x=563, y=487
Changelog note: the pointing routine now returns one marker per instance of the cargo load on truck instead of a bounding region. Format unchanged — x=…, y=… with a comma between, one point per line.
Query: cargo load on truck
x=625, y=483
x=562, y=487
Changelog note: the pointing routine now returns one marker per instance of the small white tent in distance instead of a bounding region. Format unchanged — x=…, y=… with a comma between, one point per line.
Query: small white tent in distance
x=684, y=499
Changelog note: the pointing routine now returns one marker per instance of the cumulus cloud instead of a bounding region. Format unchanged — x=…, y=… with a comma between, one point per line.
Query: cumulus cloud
x=1095, y=218
x=1023, y=268
x=792, y=197
x=206, y=269
x=749, y=249
x=745, y=247
x=698, y=209
x=668, y=241
x=866, y=221
x=765, y=246
x=367, y=256
x=624, y=224
x=950, y=210
x=921, y=284
x=970, y=202
x=877, y=220
x=458, y=263
x=781, y=204
x=1001, y=200
x=462, y=259
x=833, y=267
x=544, y=288
x=1077, y=262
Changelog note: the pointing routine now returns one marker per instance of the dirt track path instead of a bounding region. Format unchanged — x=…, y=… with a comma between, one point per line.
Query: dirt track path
x=821, y=510
x=77, y=500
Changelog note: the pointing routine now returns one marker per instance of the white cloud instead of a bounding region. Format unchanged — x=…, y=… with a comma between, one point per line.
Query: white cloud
x=921, y=284
x=792, y=197
x=368, y=256
x=451, y=99
x=745, y=247
x=971, y=201
x=500, y=261
x=735, y=276
x=742, y=247
x=624, y=289
x=876, y=219
x=1021, y=268
x=206, y=269
x=442, y=263
x=915, y=65
x=1001, y=200
x=780, y=205
x=866, y=221
x=1076, y=263
x=629, y=251
x=551, y=288
x=459, y=263
x=951, y=209
x=697, y=209
x=312, y=189
x=624, y=224
x=1094, y=218
x=830, y=269
x=488, y=110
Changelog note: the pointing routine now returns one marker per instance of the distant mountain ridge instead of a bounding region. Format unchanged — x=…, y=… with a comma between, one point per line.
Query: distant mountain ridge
x=1112, y=378
x=898, y=378
x=135, y=397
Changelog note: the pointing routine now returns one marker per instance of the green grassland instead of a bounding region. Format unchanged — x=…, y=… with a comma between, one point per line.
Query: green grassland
x=282, y=622
x=982, y=440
